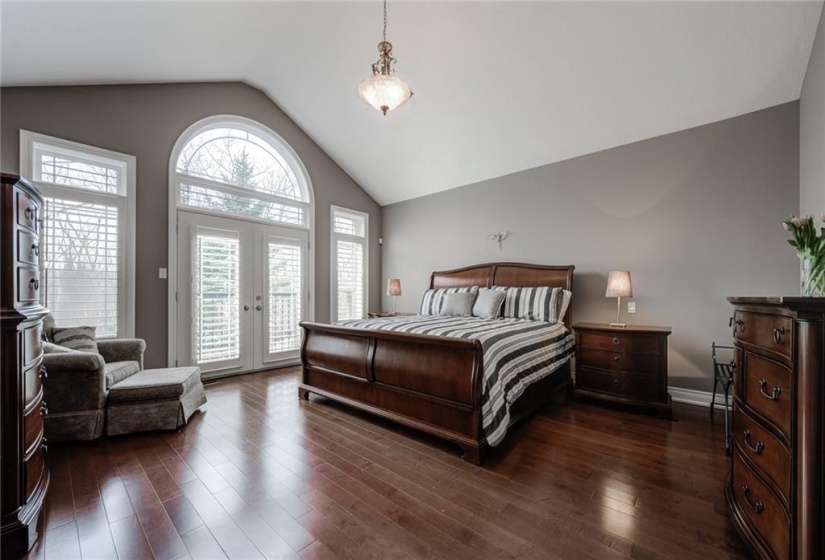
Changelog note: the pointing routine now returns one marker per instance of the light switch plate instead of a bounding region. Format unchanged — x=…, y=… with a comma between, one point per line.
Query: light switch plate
x=162, y=273
x=631, y=307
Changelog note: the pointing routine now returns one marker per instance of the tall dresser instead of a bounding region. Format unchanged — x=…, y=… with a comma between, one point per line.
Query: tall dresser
x=25, y=476
x=775, y=488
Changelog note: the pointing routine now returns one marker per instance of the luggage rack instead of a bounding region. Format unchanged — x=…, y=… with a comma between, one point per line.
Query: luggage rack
x=722, y=375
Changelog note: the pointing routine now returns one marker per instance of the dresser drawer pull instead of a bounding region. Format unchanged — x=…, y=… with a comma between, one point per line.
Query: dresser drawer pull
x=737, y=323
x=44, y=374
x=763, y=385
x=30, y=213
x=44, y=410
x=758, y=448
x=36, y=250
x=615, y=341
x=34, y=284
x=777, y=334
x=616, y=383
x=758, y=507
x=45, y=445
x=617, y=359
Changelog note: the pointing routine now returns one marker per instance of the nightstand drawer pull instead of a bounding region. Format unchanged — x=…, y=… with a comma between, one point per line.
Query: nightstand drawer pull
x=615, y=341
x=758, y=448
x=777, y=334
x=617, y=359
x=763, y=385
x=758, y=507
x=616, y=383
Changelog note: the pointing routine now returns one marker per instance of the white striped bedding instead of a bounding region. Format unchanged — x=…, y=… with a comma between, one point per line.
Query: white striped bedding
x=517, y=353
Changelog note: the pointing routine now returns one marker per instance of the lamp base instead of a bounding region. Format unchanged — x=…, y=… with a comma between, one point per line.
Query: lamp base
x=618, y=325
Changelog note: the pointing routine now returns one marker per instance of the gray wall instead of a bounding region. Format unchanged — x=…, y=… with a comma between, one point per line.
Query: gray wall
x=695, y=216
x=145, y=121
x=812, y=130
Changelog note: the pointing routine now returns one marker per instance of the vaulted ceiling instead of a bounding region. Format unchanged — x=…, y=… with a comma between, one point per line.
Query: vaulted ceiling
x=499, y=86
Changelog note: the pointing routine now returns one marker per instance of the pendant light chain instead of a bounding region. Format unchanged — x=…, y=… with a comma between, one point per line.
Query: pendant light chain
x=384, y=36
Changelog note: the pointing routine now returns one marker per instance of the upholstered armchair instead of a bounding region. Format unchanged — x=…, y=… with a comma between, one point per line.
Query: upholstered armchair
x=78, y=383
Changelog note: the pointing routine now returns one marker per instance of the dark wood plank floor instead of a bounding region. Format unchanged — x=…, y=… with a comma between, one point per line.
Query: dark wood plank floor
x=260, y=475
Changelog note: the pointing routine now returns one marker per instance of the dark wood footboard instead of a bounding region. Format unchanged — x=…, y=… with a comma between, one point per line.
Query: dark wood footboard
x=429, y=383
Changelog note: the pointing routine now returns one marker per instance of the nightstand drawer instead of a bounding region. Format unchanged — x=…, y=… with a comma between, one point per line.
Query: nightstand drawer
x=619, y=361
x=637, y=386
x=619, y=341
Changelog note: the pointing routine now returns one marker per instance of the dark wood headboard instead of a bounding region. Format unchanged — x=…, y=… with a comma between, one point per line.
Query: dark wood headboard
x=518, y=275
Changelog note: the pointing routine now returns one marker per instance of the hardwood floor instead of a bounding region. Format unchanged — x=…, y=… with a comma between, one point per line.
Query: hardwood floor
x=260, y=475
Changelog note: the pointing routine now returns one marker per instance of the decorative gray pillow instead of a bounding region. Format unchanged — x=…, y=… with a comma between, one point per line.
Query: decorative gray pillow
x=488, y=303
x=458, y=305
x=76, y=338
x=52, y=348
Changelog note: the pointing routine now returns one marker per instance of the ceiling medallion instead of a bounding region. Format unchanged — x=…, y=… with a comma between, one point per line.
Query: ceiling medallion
x=382, y=90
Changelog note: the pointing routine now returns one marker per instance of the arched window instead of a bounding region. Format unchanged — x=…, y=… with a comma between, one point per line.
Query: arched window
x=235, y=166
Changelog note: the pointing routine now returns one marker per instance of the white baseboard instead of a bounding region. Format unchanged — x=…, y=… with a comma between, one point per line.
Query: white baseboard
x=696, y=398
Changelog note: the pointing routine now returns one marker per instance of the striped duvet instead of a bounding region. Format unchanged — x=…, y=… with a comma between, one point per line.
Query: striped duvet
x=517, y=353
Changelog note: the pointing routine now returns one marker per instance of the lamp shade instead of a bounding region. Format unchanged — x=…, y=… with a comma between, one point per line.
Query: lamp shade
x=618, y=284
x=394, y=287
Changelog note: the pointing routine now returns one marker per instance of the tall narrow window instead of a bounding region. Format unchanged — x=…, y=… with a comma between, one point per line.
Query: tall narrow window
x=349, y=263
x=89, y=230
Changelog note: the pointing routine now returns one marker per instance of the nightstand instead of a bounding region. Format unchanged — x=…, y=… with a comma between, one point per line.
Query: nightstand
x=380, y=314
x=625, y=365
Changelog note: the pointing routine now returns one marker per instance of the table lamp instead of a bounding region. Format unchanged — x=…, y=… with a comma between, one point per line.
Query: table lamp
x=619, y=286
x=394, y=290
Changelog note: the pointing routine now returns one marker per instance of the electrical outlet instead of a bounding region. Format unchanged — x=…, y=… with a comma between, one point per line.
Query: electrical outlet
x=162, y=273
x=631, y=307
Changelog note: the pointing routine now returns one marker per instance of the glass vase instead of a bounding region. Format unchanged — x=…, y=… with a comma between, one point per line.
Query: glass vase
x=811, y=278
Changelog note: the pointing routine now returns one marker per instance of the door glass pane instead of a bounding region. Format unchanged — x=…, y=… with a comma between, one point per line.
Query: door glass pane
x=285, y=278
x=217, y=298
x=350, y=267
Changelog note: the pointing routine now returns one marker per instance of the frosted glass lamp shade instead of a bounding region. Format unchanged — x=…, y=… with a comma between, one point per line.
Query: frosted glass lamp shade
x=394, y=287
x=384, y=92
x=618, y=284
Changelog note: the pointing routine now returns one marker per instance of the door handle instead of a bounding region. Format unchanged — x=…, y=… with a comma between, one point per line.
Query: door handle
x=259, y=307
x=246, y=308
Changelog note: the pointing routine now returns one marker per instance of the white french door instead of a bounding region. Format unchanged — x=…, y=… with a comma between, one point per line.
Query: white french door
x=242, y=290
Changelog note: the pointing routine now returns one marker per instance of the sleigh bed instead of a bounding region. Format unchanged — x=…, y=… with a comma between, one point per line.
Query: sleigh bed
x=428, y=382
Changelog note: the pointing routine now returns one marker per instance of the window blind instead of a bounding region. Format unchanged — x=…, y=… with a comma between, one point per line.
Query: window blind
x=285, y=275
x=217, y=306
x=82, y=264
x=350, y=274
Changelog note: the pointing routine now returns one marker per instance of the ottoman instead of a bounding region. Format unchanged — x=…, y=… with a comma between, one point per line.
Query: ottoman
x=154, y=399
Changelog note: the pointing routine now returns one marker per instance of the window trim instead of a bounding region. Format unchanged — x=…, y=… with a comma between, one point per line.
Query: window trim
x=128, y=163
x=286, y=151
x=333, y=254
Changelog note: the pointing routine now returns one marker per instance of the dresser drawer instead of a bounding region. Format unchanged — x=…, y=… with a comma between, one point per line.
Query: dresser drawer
x=769, y=391
x=619, y=341
x=619, y=361
x=32, y=344
x=33, y=382
x=632, y=385
x=34, y=467
x=761, y=508
x=764, y=450
x=27, y=210
x=28, y=247
x=28, y=285
x=33, y=426
x=772, y=333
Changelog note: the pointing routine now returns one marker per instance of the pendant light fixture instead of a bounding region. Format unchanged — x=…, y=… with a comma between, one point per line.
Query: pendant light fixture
x=382, y=90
